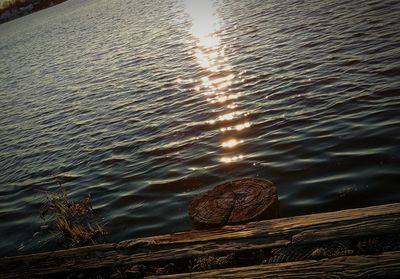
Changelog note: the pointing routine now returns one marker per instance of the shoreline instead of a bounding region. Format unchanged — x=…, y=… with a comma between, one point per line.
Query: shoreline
x=361, y=241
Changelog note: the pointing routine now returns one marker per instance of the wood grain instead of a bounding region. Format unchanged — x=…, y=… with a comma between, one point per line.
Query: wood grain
x=385, y=265
x=184, y=245
x=235, y=202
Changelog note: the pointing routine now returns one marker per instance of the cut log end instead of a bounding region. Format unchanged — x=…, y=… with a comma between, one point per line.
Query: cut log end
x=235, y=202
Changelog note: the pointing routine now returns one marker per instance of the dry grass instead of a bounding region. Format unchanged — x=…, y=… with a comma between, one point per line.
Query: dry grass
x=73, y=221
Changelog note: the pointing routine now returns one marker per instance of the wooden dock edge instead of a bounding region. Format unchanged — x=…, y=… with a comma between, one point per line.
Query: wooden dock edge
x=268, y=234
x=385, y=265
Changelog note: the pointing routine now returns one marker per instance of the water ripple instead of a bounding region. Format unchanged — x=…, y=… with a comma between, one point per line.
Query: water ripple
x=145, y=104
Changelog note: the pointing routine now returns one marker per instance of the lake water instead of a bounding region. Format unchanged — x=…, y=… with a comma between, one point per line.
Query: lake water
x=146, y=104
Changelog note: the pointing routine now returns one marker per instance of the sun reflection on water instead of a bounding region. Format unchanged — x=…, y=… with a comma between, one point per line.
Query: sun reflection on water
x=231, y=159
x=230, y=143
x=238, y=127
x=219, y=77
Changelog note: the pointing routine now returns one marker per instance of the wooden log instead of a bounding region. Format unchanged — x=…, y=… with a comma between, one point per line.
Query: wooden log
x=385, y=265
x=235, y=202
x=386, y=224
x=185, y=245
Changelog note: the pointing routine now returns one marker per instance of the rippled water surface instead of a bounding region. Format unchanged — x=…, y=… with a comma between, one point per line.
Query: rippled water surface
x=145, y=104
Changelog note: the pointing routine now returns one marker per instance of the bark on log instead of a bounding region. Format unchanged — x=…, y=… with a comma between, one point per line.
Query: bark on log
x=235, y=202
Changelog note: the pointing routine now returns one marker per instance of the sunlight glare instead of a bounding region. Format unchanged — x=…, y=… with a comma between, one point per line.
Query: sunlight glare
x=231, y=159
x=218, y=76
x=231, y=143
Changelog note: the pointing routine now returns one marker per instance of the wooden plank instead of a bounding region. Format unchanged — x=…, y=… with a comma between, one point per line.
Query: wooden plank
x=268, y=227
x=64, y=261
x=183, y=245
x=348, y=229
x=385, y=265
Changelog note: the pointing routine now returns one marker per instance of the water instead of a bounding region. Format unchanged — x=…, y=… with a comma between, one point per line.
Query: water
x=146, y=104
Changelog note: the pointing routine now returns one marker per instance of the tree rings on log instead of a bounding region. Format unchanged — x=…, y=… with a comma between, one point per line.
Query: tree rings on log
x=235, y=202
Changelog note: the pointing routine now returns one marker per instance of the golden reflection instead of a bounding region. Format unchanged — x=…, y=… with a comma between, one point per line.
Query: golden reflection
x=232, y=106
x=242, y=126
x=218, y=76
x=238, y=127
x=223, y=98
x=231, y=159
x=231, y=143
x=216, y=84
x=227, y=117
x=230, y=115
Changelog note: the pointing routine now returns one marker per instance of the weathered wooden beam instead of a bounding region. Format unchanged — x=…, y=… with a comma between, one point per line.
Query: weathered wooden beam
x=263, y=234
x=385, y=265
x=373, y=225
x=117, y=255
x=275, y=226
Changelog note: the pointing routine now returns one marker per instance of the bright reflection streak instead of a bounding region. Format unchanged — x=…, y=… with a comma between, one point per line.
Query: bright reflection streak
x=215, y=84
x=229, y=116
x=231, y=159
x=185, y=81
x=203, y=18
x=238, y=127
x=231, y=143
x=223, y=98
x=242, y=126
x=226, y=117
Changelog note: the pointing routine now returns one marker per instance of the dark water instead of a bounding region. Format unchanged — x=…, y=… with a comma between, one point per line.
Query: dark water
x=145, y=104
